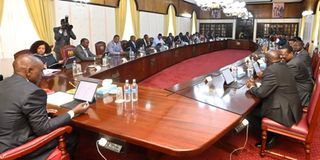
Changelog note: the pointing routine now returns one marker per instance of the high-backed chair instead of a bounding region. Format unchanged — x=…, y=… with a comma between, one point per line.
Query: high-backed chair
x=59, y=153
x=302, y=131
x=124, y=45
x=315, y=58
x=67, y=51
x=22, y=52
x=100, y=48
x=1, y=77
x=316, y=70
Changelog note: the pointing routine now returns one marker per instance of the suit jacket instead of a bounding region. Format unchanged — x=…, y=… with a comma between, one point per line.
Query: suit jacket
x=61, y=39
x=23, y=114
x=303, y=79
x=280, y=99
x=133, y=46
x=47, y=59
x=304, y=56
x=81, y=55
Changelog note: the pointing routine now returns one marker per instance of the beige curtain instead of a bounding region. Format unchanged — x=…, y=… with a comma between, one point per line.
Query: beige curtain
x=303, y=21
x=1, y=9
x=316, y=28
x=194, y=23
x=121, y=17
x=135, y=18
x=42, y=16
x=170, y=17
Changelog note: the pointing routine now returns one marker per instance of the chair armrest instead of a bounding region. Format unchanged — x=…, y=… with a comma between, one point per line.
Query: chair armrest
x=34, y=144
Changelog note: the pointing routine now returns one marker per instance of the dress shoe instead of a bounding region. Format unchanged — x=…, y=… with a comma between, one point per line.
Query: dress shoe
x=270, y=143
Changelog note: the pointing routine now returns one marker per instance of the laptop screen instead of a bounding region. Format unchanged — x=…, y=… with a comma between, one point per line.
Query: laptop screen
x=85, y=91
x=227, y=76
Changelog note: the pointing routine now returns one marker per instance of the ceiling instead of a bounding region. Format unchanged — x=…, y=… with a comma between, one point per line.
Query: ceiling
x=258, y=1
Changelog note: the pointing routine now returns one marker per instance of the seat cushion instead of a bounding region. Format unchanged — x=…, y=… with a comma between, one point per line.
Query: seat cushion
x=55, y=155
x=300, y=128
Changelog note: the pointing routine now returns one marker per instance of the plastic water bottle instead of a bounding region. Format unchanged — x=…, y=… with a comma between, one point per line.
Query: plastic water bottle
x=127, y=92
x=134, y=90
x=74, y=68
x=94, y=61
x=250, y=69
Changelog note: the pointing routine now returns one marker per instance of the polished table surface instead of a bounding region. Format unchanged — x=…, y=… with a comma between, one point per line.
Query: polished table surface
x=161, y=120
x=217, y=94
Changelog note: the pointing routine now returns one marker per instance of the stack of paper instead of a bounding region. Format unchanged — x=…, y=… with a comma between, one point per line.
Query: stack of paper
x=59, y=98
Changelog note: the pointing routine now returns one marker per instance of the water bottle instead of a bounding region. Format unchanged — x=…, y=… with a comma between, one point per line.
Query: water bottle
x=250, y=69
x=134, y=90
x=94, y=61
x=74, y=68
x=104, y=61
x=127, y=94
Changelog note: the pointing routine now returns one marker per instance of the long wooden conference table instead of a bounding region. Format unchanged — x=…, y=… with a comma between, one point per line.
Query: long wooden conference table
x=171, y=121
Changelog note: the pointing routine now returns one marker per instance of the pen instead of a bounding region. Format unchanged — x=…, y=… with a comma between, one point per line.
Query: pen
x=72, y=84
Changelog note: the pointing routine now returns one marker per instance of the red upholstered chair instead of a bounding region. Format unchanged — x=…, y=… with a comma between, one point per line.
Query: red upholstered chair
x=302, y=131
x=315, y=58
x=100, y=48
x=22, y=52
x=60, y=153
x=316, y=70
x=67, y=51
x=124, y=45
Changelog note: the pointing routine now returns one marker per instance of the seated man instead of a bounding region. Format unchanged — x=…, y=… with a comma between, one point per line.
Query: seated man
x=114, y=47
x=302, y=54
x=158, y=42
x=278, y=91
x=132, y=44
x=83, y=52
x=23, y=114
x=300, y=73
x=170, y=40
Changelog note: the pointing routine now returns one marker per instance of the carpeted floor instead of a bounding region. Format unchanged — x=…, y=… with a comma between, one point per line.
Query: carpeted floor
x=202, y=65
x=194, y=67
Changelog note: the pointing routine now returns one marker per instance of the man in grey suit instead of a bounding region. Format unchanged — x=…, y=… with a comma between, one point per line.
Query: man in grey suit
x=23, y=114
x=302, y=54
x=62, y=36
x=83, y=52
x=300, y=73
x=278, y=90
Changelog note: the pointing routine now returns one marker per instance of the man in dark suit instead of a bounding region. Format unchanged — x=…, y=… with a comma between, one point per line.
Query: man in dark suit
x=169, y=41
x=302, y=54
x=62, y=36
x=300, y=73
x=278, y=89
x=83, y=52
x=23, y=114
x=132, y=44
x=186, y=38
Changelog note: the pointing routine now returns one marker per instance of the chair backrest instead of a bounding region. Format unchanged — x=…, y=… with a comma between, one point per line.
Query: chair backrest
x=314, y=109
x=100, y=48
x=22, y=52
x=316, y=70
x=124, y=44
x=67, y=51
x=315, y=58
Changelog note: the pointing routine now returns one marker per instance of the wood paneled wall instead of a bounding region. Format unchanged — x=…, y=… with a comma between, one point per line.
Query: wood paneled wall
x=292, y=10
x=156, y=6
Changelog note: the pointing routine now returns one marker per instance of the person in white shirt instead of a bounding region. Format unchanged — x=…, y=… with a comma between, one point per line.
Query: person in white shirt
x=114, y=47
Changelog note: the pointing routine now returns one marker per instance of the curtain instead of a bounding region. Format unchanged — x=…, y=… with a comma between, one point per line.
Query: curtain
x=316, y=28
x=303, y=23
x=1, y=9
x=42, y=16
x=170, y=22
x=194, y=23
x=135, y=18
x=121, y=17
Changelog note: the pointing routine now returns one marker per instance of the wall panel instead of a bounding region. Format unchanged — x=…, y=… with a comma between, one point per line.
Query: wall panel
x=151, y=24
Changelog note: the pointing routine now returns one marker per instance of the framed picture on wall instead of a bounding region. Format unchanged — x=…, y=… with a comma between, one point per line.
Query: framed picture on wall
x=216, y=13
x=278, y=10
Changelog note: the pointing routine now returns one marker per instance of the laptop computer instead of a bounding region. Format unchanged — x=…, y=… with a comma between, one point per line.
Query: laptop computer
x=84, y=93
x=229, y=80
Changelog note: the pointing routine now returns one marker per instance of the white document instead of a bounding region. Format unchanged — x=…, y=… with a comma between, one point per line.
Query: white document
x=227, y=76
x=59, y=98
x=49, y=72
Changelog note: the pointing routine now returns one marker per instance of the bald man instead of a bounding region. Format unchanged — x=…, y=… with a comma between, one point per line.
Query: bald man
x=23, y=114
x=280, y=99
